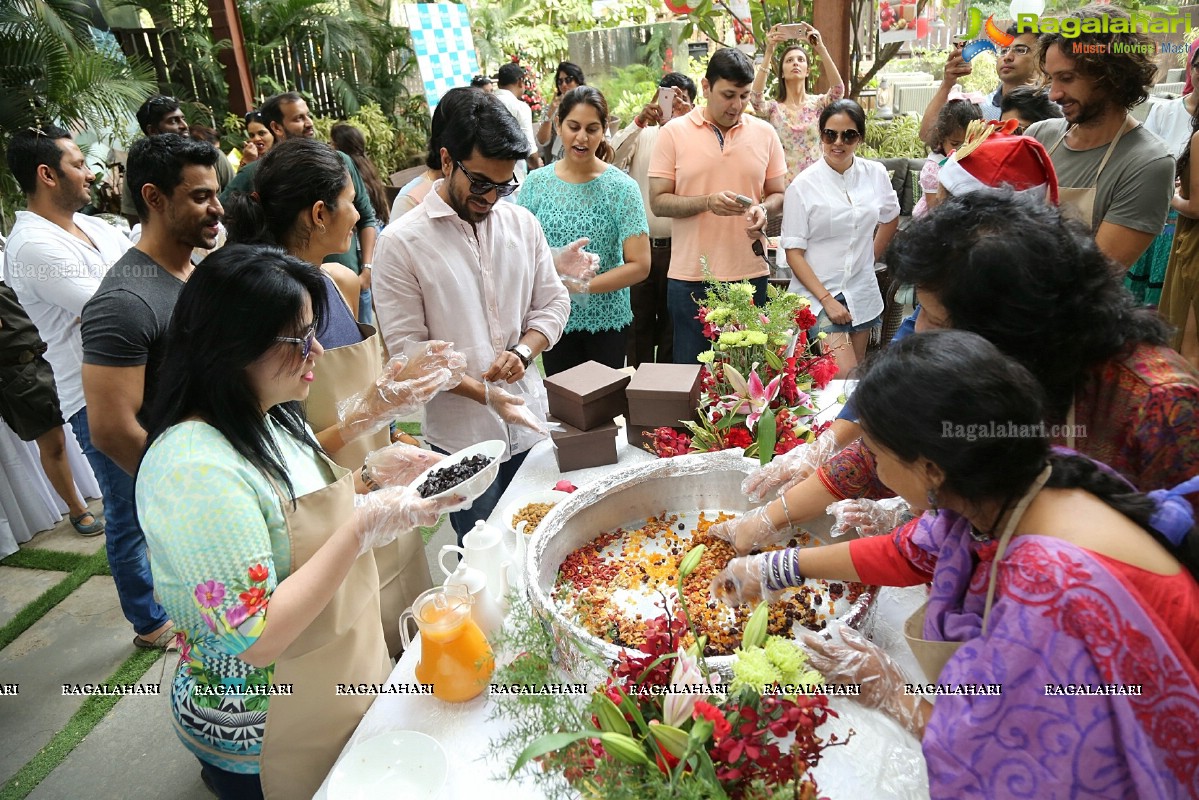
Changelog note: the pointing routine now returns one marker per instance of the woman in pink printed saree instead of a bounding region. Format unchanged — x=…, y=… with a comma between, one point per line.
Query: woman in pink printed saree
x=1050, y=577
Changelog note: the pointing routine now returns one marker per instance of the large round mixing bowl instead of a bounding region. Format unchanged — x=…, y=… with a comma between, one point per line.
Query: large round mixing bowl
x=625, y=499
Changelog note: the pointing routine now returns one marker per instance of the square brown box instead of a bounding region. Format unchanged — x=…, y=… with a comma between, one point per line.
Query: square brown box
x=579, y=449
x=663, y=394
x=587, y=396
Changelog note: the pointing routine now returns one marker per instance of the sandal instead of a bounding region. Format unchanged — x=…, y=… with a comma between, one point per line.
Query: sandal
x=165, y=641
x=93, y=528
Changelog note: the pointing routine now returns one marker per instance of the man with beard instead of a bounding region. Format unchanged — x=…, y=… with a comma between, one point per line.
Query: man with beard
x=54, y=262
x=287, y=116
x=465, y=268
x=1113, y=174
x=124, y=326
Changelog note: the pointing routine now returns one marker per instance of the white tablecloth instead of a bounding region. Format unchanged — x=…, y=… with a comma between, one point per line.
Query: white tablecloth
x=28, y=503
x=881, y=760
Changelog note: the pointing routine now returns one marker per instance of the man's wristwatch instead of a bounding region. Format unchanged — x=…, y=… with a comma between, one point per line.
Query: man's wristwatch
x=523, y=352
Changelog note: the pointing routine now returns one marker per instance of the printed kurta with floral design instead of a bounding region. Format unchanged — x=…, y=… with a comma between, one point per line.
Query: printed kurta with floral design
x=218, y=548
x=799, y=130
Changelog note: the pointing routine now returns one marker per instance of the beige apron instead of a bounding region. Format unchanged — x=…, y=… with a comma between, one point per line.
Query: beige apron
x=933, y=655
x=1079, y=202
x=403, y=568
x=306, y=731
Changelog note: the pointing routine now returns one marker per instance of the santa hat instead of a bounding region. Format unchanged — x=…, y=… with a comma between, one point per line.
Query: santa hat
x=991, y=157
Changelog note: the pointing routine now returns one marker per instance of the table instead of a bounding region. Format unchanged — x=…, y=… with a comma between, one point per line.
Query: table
x=882, y=761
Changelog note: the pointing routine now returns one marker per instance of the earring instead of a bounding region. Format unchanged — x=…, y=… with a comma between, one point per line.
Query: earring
x=932, y=501
x=320, y=227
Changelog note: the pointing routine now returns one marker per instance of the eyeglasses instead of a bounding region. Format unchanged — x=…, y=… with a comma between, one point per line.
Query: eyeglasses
x=161, y=100
x=564, y=80
x=481, y=186
x=1018, y=49
x=850, y=137
x=305, y=343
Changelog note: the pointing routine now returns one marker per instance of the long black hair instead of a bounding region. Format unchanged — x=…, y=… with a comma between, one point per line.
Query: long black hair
x=953, y=398
x=291, y=178
x=1028, y=280
x=228, y=316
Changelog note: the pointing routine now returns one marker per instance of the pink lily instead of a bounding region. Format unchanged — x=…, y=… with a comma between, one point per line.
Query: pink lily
x=750, y=395
x=686, y=680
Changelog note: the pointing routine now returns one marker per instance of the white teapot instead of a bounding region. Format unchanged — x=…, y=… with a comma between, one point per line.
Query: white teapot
x=484, y=610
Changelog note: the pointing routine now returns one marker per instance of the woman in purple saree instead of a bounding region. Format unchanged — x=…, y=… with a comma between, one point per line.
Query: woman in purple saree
x=1051, y=578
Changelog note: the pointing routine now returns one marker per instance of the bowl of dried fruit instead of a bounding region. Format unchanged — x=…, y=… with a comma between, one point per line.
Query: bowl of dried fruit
x=521, y=519
x=603, y=564
x=467, y=473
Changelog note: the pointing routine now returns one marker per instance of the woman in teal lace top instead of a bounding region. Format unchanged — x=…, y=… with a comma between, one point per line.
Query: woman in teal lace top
x=582, y=195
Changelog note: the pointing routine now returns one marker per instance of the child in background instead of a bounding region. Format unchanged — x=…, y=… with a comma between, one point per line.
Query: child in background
x=948, y=135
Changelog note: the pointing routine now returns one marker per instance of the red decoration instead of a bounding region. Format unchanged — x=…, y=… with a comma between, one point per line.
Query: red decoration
x=678, y=7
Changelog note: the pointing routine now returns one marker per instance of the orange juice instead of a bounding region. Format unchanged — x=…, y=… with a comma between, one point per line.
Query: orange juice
x=455, y=656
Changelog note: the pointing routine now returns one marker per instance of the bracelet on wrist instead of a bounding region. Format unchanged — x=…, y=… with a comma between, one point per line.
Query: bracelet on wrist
x=822, y=297
x=786, y=511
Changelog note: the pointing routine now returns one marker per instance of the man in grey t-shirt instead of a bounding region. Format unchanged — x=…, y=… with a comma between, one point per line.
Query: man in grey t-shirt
x=174, y=185
x=1096, y=84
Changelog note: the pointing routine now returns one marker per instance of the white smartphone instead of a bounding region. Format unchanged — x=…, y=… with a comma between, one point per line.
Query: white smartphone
x=792, y=31
x=666, y=101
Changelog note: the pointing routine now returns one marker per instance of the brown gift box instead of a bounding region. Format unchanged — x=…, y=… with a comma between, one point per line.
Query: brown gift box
x=587, y=396
x=576, y=449
x=663, y=395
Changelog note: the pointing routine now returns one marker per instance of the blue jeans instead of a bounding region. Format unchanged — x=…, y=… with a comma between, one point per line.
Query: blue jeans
x=682, y=301
x=366, y=314
x=463, y=521
x=123, y=537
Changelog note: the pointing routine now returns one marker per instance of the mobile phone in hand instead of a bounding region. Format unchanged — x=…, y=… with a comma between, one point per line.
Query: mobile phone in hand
x=792, y=31
x=666, y=102
x=745, y=201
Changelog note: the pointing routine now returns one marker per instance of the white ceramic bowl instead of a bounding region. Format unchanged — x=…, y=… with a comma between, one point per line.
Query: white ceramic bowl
x=475, y=485
x=405, y=764
x=547, y=496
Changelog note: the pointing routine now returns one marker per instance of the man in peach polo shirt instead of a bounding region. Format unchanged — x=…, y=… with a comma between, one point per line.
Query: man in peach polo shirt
x=702, y=163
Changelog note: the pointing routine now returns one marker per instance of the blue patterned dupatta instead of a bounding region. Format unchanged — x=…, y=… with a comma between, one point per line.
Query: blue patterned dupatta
x=1061, y=619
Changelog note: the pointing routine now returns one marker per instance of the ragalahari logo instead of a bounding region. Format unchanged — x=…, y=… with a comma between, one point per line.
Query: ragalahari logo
x=994, y=38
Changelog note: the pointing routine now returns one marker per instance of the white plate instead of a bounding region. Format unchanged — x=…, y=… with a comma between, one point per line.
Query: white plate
x=400, y=764
x=547, y=496
x=475, y=485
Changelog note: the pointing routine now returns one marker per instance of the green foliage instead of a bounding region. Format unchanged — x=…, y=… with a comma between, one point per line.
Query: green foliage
x=388, y=148
x=896, y=138
x=628, y=90
x=52, y=72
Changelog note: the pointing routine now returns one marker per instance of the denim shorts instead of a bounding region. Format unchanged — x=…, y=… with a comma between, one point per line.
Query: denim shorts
x=823, y=323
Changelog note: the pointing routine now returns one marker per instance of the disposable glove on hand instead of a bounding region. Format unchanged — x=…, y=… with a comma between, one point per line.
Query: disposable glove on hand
x=382, y=516
x=856, y=659
x=401, y=389
x=399, y=464
x=743, y=581
x=788, y=469
x=576, y=267
x=867, y=517
x=512, y=409
x=751, y=531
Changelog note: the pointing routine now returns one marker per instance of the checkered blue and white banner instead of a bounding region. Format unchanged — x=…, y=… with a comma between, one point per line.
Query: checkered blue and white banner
x=445, y=50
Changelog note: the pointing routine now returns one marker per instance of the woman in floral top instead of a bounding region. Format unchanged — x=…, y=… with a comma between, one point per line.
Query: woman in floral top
x=794, y=113
x=225, y=492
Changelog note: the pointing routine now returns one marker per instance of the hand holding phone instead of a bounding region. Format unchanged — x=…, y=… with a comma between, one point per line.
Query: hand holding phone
x=666, y=102
x=745, y=201
x=792, y=31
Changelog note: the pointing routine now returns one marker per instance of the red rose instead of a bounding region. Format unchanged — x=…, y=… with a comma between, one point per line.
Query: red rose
x=804, y=318
x=711, y=713
x=259, y=573
x=738, y=436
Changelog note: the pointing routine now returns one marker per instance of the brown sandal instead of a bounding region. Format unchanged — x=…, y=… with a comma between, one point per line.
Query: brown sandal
x=165, y=641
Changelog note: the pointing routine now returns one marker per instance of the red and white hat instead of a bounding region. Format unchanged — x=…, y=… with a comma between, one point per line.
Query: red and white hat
x=992, y=157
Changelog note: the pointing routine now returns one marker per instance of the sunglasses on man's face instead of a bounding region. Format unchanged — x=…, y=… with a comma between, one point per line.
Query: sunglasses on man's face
x=829, y=136
x=304, y=342
x=481, y=186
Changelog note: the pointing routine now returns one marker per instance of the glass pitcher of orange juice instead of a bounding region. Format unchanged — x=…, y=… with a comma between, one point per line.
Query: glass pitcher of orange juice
x=454, y=654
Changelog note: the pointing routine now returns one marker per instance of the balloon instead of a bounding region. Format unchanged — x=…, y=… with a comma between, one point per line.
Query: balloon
x=678, y=7
x=1019, y=7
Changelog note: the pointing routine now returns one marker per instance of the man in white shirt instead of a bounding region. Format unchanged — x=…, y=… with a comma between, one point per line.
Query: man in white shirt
x=56, y=257
x=509, y=80
x=465, y=268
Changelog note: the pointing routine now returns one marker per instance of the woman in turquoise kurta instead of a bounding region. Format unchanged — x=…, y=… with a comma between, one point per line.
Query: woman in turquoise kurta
x=583, y=196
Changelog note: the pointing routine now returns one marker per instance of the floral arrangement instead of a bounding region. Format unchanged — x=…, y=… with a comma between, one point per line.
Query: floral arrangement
x=661, y=725
x=755, y=378
x=530, y=91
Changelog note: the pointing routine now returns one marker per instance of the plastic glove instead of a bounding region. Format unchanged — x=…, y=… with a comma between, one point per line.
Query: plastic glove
x=743, y=581
x=382, y=516
x=402, y=388
x=855, y=659
x=511, y=408
x=575, y=267
x=867, y=517
x=399, y=464
x=751, y=531
x=790, y=468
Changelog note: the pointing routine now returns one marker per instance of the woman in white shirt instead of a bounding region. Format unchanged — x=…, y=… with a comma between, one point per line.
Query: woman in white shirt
x=839, y=215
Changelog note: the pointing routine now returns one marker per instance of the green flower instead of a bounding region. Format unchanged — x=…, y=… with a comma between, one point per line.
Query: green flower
x=706, y=357
x=755, y=338
x=743, y=289
x=731, y=338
